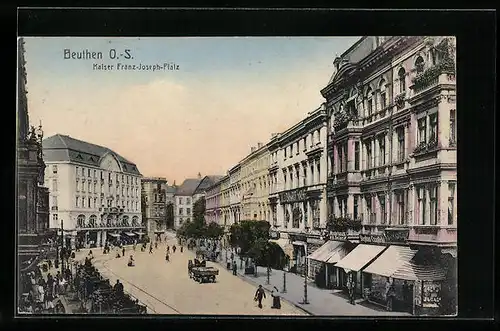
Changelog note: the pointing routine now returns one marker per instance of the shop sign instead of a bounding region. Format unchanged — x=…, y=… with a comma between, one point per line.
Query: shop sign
x=292, y=196
x=417, y=292
x=341, y=236
x=298, y=238
x=396, y=235
x=431, y=294
x=372, y=238
x=274, y=235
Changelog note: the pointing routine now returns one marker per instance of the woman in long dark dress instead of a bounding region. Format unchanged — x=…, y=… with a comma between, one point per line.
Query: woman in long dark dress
x=276, y=298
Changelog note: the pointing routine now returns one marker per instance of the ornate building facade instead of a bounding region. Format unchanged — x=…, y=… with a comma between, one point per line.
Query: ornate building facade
x=32, y=212
x=392, y=150
x=297, y=190
x=95, y=194
x=154, y=193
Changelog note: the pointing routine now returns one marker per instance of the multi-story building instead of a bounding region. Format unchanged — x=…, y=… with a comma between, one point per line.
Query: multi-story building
x=187, y=194
x=32, y=198
x=392, y=152
x=255, y=184
x=234, y=210
x=218, y=204
x=95, y=194
x=297, y=192
x=154, y=192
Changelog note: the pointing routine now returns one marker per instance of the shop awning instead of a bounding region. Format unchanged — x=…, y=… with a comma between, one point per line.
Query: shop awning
x=115, y=235
x=130, y=234
x=331, y=252
x=359, y=257
x=398, y=262
x=298, y=243
x=284, y=244
x=140, y=233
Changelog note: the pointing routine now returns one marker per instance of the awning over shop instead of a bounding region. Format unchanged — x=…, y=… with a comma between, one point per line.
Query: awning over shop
x=285, y=246
x=299, y=243
x=139, y=233
x=159, y=231
x=359, y=257
x=331, y=252
x=130, y=234
x=114, y=235
x=398, y=262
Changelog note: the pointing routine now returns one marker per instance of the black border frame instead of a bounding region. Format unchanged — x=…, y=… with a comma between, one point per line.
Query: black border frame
x=476, y=54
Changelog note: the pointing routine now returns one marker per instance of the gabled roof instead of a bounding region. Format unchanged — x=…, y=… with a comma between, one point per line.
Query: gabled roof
x=64, y=148
x=206, y=182
x=188, y=187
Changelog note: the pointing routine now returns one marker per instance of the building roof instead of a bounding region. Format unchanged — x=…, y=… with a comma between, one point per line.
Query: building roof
x=206, y=182
x=64, y=148
x=171, y=189
x=188, y=187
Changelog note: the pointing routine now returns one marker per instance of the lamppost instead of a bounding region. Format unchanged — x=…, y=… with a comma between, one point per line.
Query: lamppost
x=305, y=301
x=284, y=282
x=62, y=246
x=268, y=274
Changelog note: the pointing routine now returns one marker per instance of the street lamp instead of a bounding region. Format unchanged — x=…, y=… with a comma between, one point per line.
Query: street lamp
x=62, y=246
x=284, y=282
x=305, y=301
x=268, y=274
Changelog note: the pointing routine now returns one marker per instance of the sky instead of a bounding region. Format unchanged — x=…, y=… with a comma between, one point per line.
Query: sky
x=227, y=95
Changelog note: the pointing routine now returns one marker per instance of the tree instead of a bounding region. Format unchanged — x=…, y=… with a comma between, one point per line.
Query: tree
x=199, y=210
x=214, y=231
x=144, y=206
x=169, y=215
x=249, y=236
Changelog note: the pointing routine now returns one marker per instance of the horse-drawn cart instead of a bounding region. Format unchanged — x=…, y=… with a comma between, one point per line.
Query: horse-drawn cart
x=204, y=274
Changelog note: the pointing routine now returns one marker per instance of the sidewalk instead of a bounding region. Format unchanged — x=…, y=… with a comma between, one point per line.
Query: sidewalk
x=322, y=302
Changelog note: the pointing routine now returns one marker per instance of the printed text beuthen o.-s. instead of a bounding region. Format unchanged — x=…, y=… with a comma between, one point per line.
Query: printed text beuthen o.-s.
x=87, y=54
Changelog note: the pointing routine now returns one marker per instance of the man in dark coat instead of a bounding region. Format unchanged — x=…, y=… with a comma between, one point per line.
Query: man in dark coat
x=235, y=268
x=259, y=295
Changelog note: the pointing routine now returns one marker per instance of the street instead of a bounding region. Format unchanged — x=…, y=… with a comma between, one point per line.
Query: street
x=166, y=288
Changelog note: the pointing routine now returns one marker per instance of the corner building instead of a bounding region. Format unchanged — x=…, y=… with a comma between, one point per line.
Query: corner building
x=297, y=195
x=95, y=194
x=392, y=150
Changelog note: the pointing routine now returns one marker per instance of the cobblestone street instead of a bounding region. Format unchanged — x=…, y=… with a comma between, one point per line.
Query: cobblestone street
x=166, y=288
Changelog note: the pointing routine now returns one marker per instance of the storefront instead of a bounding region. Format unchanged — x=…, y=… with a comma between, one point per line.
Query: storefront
x=128, y=238
x=417, y=280
x=158, y=234
x=358, y=259
x=114, y=238
x=281, y=239
x=323, y=260
x=298, y=262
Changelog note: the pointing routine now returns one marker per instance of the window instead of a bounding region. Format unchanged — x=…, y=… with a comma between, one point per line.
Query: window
x=181, y=211
x=77, y=169
x=95, y=173
x=383, y=210
x=400, y=199
x=83, y=172
x=402, y=80
x=356, y=207
x=304, y=176
x=419, y=65
x=180, y=201
x=83, y=185
x=381, y=145
x=369, y=163
x=102, y=176
x=77, y=201
x=312, y=174
x=95, y=202
x=401, y=143
x=305, y=144
x=369, y=102
x=88, y=173
x=356, y=155
x=297, y=147
x=90, y=187
x=368, y=199
x=54, y=185
x=433, y=123
x=291, y=150
x=188, y=201
x=383, y=95
x=54, y=200
x=95, y=188
x=422, y=130
x=81, y=221
x=451, y=203
x=453, y=126
x=291, y=179
x=54, y=169
x=285, y=149
x=90, y=203
x=433, y=193
x=421, y=204
x=77, y=185
x=54, y=217
x=340, y=156
x=188, y=211
x=319, y=172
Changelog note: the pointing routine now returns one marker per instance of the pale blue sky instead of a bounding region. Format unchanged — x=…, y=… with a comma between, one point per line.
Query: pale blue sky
x=223, y=86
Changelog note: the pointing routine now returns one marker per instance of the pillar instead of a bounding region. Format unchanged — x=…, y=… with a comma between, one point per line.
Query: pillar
x=442, y=205
x=103, y=237
x=411, y=205
x=98, y=241
x=323, y=210
x=350, y=205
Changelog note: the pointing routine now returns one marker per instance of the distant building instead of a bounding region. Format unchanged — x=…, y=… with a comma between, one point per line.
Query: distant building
x=187, y=194
x=94, y=190
x=154, y=192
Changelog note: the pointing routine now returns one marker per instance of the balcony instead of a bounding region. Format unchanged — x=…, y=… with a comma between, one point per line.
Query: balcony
x=441, y=73
x=426, y=235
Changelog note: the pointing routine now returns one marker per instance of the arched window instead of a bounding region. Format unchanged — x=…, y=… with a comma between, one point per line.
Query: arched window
x=369, y=102
x=402, y=80
x=93, y=221
x=135, y=220
x=383, y=94
x=419, y=65
x=125, y=221
x=80, y=221
x=109, y=220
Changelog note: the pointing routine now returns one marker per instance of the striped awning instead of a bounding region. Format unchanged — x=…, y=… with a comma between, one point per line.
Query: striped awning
x=331, y=252
x=398, y=262
x=359, y=257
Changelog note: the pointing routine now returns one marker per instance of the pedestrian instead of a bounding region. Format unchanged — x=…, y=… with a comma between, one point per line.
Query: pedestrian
x=235, y=268
x=156, y=245
x=150, y=248
x=232, y=256
x=259, y=295
x=168, y=249
x=391, y=293
x=123, y=251
x=167, y=257
x=174, y=248
x=182, y=249
x=276, y=298
x=50, y=264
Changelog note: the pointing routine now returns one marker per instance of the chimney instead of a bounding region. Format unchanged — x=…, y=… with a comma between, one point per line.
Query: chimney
x=252, y=149
x=259, y=145
x=199, y=175
x=174, y=183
